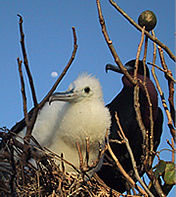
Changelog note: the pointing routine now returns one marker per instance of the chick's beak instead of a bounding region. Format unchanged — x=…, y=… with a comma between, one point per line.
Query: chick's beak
x=67, y=96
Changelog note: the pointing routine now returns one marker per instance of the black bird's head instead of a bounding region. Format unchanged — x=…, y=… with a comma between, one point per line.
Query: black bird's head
x=130, y=66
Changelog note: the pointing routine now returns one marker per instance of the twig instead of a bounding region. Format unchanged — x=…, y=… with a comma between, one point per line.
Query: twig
x=26, y=61
x=173, y=149
x=41, y=104
x=154, y=39
x=132, y=157
x=110, y=45
x=23, y=91
x=138, y=54
x=164, y=106
x=80, y=156
x=127, y=177
x=151, y=124
x=136, y=95
x=138, y=112
x=30, y=123
x=145, y=56
x=150, y=173
x=155, y=182
x=170, y=85
x=169, y=117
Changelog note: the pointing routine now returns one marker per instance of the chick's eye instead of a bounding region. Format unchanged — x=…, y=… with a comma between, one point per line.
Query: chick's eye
x=87, y=90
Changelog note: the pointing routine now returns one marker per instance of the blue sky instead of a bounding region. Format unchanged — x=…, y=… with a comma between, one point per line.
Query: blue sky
x=49, y=43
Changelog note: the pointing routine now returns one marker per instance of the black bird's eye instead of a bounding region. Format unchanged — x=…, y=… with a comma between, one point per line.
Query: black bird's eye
x=87, y=90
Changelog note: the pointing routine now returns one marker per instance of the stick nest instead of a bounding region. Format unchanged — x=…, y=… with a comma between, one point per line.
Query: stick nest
x=41, y=176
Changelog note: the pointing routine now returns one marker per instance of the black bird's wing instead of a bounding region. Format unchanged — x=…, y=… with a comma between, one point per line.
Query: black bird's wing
x=158, y=128
x=123, y=104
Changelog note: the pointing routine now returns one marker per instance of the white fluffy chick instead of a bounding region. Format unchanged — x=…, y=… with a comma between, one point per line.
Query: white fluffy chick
x=71, y=117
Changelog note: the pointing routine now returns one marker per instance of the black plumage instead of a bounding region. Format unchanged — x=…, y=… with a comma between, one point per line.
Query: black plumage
x=123, y=104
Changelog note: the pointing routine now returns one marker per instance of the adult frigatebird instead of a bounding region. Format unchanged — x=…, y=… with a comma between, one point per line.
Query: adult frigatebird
x=123, y=104
x=70, y=117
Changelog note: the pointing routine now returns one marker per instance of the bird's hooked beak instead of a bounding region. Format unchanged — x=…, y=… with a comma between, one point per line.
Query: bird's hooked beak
x=117, y=68
x=67, y=96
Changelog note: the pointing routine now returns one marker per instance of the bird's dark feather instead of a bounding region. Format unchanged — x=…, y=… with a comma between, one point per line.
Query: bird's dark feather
x=123, y=104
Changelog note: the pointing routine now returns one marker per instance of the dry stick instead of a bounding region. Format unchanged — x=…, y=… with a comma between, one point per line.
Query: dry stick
x=169, y=75
x=136, y=90
x=26, y=61
x=138, y=54
x=127, y=177
x=110, y=45
x=30, y=124
x=80, y=156
x=170, y=85
x=150, y=106
x=26, y=147
x=41, y=104
x=164, y=105
x=146, y=143
x=151, y=125
x=171, y=127
x=150, y=173
x=154, y=39
x=138, y=112
x=23, y=91
x=132, y=157
x=145, y=56
x=173, y=149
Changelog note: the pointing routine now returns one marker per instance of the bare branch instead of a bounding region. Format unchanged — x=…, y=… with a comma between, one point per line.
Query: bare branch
x=138, y=54
x=80, y=156
x=26, y=61
x=138, y=112
x=23, y=91
x=170, y=85
x=127, y=177
x=110, y=45
x=132, y=157
x=41, y=104
x=169, y=117
x=173, y=149
x=154, y=39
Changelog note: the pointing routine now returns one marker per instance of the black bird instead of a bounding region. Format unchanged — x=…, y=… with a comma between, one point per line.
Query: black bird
x=123, y=104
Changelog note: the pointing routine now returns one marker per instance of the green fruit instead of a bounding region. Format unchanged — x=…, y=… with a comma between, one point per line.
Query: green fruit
x=147, y=19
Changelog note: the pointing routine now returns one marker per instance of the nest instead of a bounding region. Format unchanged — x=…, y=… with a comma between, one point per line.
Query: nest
x=41, y=176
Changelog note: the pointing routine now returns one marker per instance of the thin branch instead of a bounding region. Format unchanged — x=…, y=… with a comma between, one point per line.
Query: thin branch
x=154, y=39
x=23, y=91
x=170, y=85
x=127, y=177
x=169, y=75
x=132, y=157
x=155, y=182
x=41, y=104
x=26, y=61
x=110, y=45
x=173, y=149
x=29, y=123
x=172, y=130
x=138, y=112
x=80, y=156
x=138, y=54
x=145, y=56
x=151, y=124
